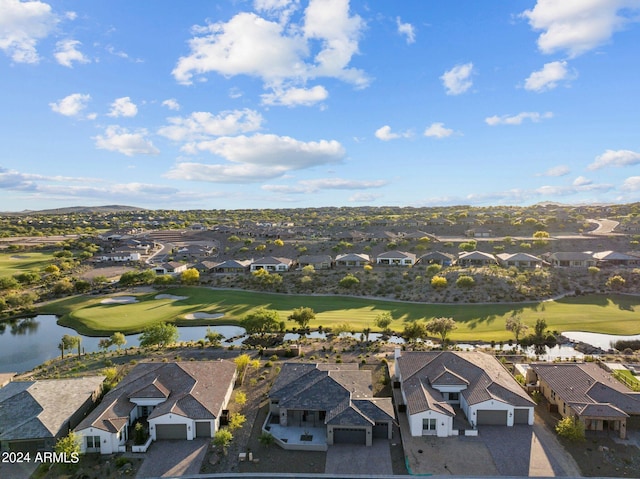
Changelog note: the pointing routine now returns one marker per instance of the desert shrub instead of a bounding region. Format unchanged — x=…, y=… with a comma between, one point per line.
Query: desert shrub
x=570, y=429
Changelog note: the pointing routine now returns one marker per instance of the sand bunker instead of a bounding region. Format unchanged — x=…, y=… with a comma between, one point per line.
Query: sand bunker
x=171, y=296
x=120, y=300
x=203, y=315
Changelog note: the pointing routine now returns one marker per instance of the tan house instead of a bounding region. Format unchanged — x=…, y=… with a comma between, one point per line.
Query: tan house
x=572, y=259
x=352, y=259
x=589, y=393
x=476, y=258
x=396, y=258
x=519, y=260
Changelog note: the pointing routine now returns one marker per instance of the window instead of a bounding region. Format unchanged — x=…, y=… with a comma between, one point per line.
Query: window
x=93, y=442
x=429, y=424
x=454, y=396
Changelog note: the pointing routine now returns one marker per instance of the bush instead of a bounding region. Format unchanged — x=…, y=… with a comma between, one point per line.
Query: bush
x=570, y=429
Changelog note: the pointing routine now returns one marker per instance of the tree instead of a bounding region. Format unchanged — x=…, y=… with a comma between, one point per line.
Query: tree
x=222, y=438
x=349, y=281
x=214, y=338
x=69, y=446
x=62, y=287
x=433, y=268
x=303, y=316
x=465, y=281
x=570, y=428
x=118, y=340
x=441, y=326
x=541, y=338
x=383, y=321
x=438, y=282
x=104, y=343
x=278, y=242
x=161, y=335
x=615, y=282
x=261, y=321
x=82, y=286
x=190, y=276
x=414, y=331
x=516, y=326
x=69, y=342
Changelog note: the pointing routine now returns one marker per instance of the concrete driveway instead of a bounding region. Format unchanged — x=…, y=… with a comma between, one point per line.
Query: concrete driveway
x=173, y=458
x=359, y=459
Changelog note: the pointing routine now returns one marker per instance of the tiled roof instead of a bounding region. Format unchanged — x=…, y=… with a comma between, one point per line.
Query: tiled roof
x=195, y=389
x=483, y=376
x=518, y=257
x=39, y=409
x=587, y=383
x=314, y=259
x=396, y=254
x=342, y=390
x=273, y=260
x=353, y=257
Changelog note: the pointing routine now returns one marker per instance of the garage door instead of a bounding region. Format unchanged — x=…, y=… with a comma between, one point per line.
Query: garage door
x=26, y=446
x=351, y=436
x=171, y=431
x=381, y=430
x=497, y=418
x=203, y=429
x=521, y=416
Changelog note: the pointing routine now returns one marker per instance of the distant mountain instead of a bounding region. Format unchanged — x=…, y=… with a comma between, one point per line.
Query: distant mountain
x=80, y=209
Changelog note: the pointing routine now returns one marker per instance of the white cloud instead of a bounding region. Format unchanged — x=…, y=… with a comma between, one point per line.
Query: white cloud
x=315, y=185
x=67, y=52
x=518, y=119
x=70, y=15
x=171, y=104
x=615, y=158
x=384, y=133
x=202, y=125
x=407, y=30
x=296, y=96
x=128, y=143
x=282, y=9
x=364, y=197
x=582, y=181
x=249, y=44
x=22, y=25
x=577, y=26
x=256, y=158
x=548, y=77
x=631, y=184
x=438, y=130
x=123, y=107
x=458, y=80
x=560, y=170
x=71, y=105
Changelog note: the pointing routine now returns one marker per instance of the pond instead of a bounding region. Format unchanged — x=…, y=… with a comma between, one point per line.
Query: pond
x=604, y=341
x=28, y=342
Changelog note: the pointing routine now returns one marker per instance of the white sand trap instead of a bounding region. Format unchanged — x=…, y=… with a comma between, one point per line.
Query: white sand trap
x=171, y=296
x=203, y=315
x=120, y=300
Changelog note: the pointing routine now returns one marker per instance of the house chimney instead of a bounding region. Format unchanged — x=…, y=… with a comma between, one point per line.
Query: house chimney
x=397, y=352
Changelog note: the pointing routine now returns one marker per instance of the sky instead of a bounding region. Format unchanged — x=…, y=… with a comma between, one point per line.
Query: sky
x=233, y=104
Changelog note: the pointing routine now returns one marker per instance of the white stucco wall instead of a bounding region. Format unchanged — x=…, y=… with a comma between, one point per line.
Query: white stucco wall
x=444, y=423
x=172, y=418
x=109, y=442
x=491, y=405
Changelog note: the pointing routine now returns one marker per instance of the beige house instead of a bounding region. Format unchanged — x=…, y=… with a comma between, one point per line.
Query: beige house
x=396, y=258
x=589, y=393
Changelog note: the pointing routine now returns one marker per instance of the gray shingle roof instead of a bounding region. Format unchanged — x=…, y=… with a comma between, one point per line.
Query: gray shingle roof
x=40, y=409
x=485, y=378
x=586, y=383
x=342, y=390
x=195, y=390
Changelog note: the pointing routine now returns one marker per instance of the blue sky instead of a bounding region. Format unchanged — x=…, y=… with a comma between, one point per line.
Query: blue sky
x=296, y=103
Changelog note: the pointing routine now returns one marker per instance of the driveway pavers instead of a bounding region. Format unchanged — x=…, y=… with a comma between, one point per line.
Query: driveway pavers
x=359, y=459
x=173, y=458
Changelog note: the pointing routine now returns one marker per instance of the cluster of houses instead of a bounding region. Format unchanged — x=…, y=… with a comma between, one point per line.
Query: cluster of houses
x=312, y=405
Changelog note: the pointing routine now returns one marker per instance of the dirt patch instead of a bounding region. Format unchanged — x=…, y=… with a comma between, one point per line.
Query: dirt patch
x=109, y=272
x=93, y=465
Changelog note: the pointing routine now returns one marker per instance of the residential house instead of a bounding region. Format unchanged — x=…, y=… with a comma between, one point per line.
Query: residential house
x=333, y=401
x=436, y=257
x=35, y=414
x=322, y=261
x=476, y=258
x=233, y=266
x=118, y=256
x=173, y=268
x=179, y=400
x=572, y=259
x=479, y=232
x=206, y=266
x=352, y=259
x=396, y=258
x=613, y=258
x=519, y=260
x=442, y=391
x=589, y=393
x=193, y=251
x=272, y=264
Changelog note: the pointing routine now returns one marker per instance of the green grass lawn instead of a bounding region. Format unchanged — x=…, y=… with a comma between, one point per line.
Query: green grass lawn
x=617, y=314
x=20, y=262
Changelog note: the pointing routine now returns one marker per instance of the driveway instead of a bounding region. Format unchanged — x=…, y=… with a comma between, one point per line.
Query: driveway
x=173, y=458
x=359, y=459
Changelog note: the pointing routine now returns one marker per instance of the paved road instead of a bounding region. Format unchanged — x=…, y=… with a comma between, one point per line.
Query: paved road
x=605, y=226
